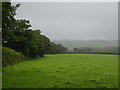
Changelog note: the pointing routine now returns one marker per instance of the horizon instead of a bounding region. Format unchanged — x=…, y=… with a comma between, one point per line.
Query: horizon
x=83, y=40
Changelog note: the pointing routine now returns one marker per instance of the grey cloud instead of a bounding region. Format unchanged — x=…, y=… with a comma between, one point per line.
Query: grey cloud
x=73, y=21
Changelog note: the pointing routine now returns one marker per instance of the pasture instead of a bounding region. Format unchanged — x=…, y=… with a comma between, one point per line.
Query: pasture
x=64, y=71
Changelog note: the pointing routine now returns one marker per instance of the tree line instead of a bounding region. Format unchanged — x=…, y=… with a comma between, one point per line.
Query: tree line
x=102, y=50
x=56, y=49
x=18, y=35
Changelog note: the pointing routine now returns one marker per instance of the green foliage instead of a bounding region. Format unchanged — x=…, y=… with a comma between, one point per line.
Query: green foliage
x=11, y=57
x=8, y=22
x=79, y=50
x=56, y=49
x=18, y=36
x=105, y=50
x=64, y=71
x=35, y=44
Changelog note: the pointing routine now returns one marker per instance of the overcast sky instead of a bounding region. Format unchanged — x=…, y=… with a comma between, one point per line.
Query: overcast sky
x=72, y=21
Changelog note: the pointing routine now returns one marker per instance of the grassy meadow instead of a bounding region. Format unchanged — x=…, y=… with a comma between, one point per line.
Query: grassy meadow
x=64, y=71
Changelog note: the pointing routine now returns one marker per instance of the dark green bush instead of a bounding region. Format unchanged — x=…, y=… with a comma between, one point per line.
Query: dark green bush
x=11, y=57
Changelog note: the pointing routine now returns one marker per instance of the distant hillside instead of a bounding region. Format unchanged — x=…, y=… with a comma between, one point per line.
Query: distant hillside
x=71, y=44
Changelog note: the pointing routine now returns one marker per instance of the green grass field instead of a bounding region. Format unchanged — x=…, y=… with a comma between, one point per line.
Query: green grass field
x=64, y=71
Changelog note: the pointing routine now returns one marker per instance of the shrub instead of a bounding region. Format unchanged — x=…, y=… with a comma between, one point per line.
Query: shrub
x=11, y=57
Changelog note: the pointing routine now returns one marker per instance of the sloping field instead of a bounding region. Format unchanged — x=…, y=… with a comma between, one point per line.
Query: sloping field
x=64, y=71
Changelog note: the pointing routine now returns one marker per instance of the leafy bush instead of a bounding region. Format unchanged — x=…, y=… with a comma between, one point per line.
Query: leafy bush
x=11, y=57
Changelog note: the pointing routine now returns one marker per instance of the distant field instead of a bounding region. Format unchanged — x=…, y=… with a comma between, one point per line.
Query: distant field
x=71, y=44
x=64, y=71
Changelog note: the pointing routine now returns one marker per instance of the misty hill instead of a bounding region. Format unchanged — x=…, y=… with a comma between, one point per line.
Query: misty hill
x=71, y=44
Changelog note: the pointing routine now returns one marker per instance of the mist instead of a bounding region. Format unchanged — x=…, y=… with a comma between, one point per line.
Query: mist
x=72, y=20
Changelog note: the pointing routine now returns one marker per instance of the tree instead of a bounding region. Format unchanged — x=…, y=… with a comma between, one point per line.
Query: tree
x=8, y=22
x=75, y=49
x=56, y=49
x=18, y=36
x=83, y=50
